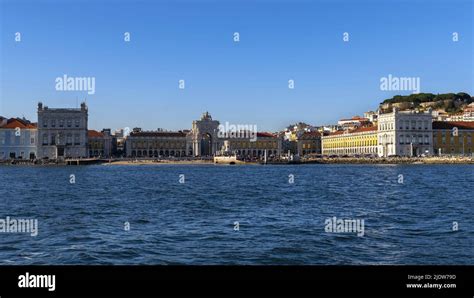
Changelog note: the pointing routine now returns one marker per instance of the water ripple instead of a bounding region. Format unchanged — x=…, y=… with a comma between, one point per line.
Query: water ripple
x=278, y=222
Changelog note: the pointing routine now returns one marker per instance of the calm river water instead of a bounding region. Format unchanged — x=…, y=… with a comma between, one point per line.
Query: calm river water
x=239, y=214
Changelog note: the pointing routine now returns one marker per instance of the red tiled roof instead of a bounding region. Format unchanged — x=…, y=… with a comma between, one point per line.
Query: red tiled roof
x=335, y=133
x=15, y=122
x=94, y=134
x=158, y=134
x=358, y=118
x=365, y=128
x=265, y=135
x=453, y=124
x=359, y=129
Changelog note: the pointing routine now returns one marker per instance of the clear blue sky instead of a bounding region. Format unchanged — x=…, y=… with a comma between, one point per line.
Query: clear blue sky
x=243, y=83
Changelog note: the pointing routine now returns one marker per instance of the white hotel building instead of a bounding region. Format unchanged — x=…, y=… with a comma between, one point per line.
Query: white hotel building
x=405, y=133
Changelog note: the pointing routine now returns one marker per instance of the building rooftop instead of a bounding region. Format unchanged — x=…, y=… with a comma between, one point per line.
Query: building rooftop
x=62, y=110
x=355, y=118
x=19, y=123
x=158, y=134
x=453, y=124
x=42, y=108
x=265, y=135
x=357, y=130
x=94, y=134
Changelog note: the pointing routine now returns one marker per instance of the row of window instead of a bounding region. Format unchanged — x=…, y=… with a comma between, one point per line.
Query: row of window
x=18, y=140
x=256, y=144
x=412, y=139
x=179, y=153
x=156, y=153
x=406, y=125
x=61, y=123
x=350, y=141
x=254, y=153
x=362, y=143
x=52, y=139
x=96, y=145
x=459, y=138
x=174, y=145
x=452, y=140
x=310, y=152
x=157, y=145
x=310, y=146
x=21, y=155
x=354, y=136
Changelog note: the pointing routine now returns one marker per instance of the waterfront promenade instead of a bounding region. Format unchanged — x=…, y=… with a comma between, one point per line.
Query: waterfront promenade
x=200, y=161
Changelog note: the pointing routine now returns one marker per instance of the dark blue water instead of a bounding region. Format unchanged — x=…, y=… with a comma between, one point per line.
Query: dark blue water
x=279, y=222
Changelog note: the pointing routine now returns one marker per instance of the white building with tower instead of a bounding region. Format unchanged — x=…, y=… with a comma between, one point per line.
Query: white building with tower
x=62, y=132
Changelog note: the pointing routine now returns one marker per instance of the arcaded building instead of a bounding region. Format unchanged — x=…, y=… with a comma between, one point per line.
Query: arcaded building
x=359, y=141
x=247, y=148
x=156, y=144
x=201, y=141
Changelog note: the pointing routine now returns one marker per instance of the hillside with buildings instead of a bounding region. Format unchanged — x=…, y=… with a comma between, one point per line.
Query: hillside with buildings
x=449, y=103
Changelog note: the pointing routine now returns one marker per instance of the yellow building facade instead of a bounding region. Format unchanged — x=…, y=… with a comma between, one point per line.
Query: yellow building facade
x=453, y=137
x=360, y=141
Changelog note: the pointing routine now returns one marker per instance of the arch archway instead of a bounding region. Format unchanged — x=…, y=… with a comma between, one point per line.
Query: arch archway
x=206, y=144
